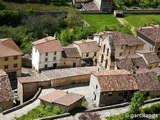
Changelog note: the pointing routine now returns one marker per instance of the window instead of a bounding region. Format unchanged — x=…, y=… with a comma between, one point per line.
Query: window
x=109, y=94
x=6, y=59
x=74, y=64
x=122, y=46
x=95, y=60
x=129, y=52
x=35, y=50
x=95, y=54
x=106, y=63
x=136, y=47
x=120, y=54
x=104, y=47
x=54, y=65
x=45, y=66
x=15, y=65
x=15, y=57
x=46, y=54
x=102, y=58
x=46, y=59
x=54, y=58
x=55, y=53
x=64, y=63
x=107, y=52
x=87, y=54
x=158, y=49
x=96, y=86
x=6, y=67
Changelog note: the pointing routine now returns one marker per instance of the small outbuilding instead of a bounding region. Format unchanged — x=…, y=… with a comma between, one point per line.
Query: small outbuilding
x=65, y=100
x=118, y=13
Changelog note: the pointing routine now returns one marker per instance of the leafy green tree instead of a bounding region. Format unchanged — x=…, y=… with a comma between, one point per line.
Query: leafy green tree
x=43, y=25
x=137, y=102
x=1, y=5
x=74, y=19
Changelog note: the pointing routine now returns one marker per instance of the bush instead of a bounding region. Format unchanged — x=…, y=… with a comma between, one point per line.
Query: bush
x=29, y=12
x=8, y=17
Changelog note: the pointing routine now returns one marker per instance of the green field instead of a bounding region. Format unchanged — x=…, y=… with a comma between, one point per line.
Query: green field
x=142, y=20
x=100, y=21
x=36, y=7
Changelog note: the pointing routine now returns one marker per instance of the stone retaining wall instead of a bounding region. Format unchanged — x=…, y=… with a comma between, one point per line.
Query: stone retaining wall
x=24, y=104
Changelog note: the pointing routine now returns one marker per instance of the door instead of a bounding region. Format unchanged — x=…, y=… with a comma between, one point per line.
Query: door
x=54, y=65
x=74, y=64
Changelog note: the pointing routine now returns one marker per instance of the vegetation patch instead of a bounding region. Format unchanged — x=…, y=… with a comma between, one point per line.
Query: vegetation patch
x=41, y=111
x=142, y=20
x=36, y=6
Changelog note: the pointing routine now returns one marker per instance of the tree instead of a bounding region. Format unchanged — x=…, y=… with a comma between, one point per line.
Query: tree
x=137, y=102
x=43, y=25
x=74, y=19
x=89, y=116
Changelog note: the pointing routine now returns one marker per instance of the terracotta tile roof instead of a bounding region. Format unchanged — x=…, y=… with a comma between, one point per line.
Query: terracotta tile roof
x=68, y=72
x=110, y=72
x=87, y=46
x=9, y=48
x=147, y=81
x=123, y=82
x=61, y=97
x=130, y=61
x=142, y=70
x=132, y=40
x=70, y=52
x=5, y=88
x=149, y=56
x=48, y=44
x=31, y=79
x=152, y=32
x=121, y=39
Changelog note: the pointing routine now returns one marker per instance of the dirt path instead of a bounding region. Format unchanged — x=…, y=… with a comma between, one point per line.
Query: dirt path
x=124, y=22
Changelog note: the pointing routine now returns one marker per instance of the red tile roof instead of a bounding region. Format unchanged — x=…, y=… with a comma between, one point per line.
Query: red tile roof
x=70, y=52
x=152, y=32
x=123, y=82
x=121, y=39
x=9, y=48
x=48, y=44
x=5, y=88
x=87, y=46
x=61, y=97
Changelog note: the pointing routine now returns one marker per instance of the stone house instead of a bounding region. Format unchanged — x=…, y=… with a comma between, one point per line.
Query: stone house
x=10, y=57
x=65, y=100
x=111, y=86
x=46, y=54
x=150, y=58
x=6, y=95
x=151, y=36
x=116, y=86
x=70, y=57
x=115, y=44
x=88, y=51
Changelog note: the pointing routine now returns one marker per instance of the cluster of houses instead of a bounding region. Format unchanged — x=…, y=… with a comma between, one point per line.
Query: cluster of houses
x=115, y=64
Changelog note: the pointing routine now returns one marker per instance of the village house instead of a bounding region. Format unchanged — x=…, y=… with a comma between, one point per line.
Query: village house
x=151, y=36
x=10, y=57
x=94, y=5
x=70, y=57
x=115, y=44
x=46, y=54
x=150, y=58
x=115, y=86
x=65, y=100
x=130, y=62
x=6, y=96
x=88, y=51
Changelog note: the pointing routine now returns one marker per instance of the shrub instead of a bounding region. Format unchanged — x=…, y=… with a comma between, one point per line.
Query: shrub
x=28, y=12
x=147, y=110
x=8, y=17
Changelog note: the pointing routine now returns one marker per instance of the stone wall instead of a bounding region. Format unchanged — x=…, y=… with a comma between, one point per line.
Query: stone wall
x=147, y=11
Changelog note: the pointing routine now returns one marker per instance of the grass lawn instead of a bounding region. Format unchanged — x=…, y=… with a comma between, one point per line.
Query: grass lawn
x=35, y=6
x=142, y=20
x=100, y=20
